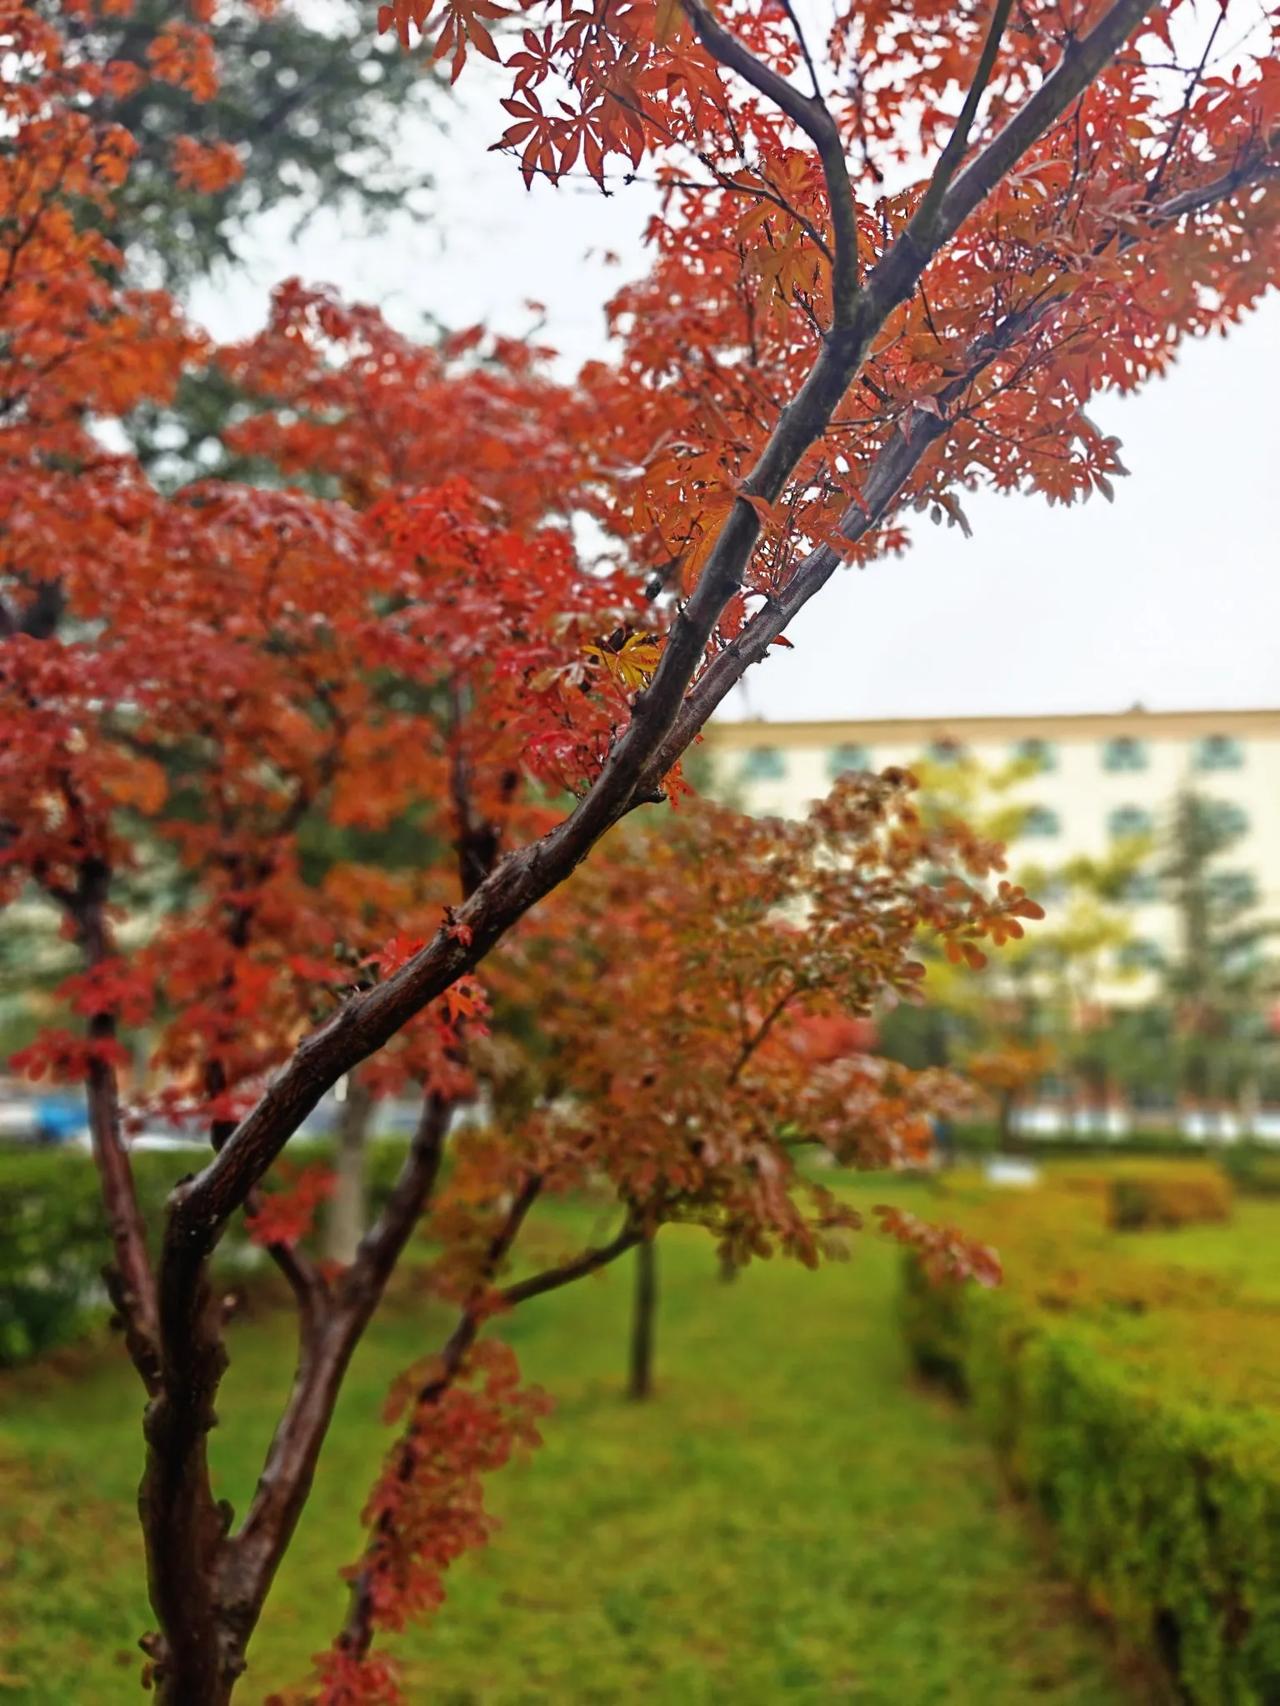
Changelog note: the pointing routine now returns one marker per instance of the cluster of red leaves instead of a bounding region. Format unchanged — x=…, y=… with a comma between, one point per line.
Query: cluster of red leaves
x=286, y=1213
x=427, y=1507
x=749, y=957
x=946, y=1252
x=66, y=1057
x=733, y=311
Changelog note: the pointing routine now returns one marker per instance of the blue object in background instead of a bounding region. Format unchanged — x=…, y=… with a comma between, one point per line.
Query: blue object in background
x=58, y=1118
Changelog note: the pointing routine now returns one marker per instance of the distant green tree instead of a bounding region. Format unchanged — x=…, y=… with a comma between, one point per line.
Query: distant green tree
x=317, y=105
x=1219, y=980
x=315, y=101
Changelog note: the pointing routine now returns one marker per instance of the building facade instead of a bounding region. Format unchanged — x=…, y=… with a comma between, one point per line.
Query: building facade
x=1096, y=778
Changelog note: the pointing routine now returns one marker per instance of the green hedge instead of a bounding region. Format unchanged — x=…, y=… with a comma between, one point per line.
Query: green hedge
x=1142, y=1416
x=1254, y=1170
x=53, y=1237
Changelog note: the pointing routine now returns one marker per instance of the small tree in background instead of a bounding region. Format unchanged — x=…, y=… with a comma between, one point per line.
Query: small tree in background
x=1218, y=980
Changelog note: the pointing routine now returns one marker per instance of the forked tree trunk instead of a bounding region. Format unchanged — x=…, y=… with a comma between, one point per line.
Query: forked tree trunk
x=643, y=1320
x=346, y=1220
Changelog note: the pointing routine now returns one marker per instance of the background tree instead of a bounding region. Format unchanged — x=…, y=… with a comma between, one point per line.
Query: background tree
x=275, y=108
x=1218, y=980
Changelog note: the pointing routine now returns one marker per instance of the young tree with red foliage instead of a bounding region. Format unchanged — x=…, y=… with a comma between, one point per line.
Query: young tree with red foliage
x=197, y=678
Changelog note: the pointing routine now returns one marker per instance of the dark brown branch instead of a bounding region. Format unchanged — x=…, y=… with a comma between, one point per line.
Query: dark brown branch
x=382, y=1244
x=130, y=1282
x=589, y=1262
x=811, y=114
x=325, y=1349
x=951, y=156
x=804, y=48
x=758, y=1036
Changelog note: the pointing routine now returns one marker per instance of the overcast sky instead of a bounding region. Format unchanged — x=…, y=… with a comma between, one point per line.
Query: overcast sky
x=1170, y=597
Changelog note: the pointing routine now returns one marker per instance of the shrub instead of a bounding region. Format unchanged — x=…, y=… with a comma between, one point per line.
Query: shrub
x=53, y=1239
x=1175, y=1196
x=1253, y=1170
x=1139, y=1405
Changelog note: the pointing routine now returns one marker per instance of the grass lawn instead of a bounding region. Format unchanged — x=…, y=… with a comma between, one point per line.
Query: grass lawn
x=791, y=1519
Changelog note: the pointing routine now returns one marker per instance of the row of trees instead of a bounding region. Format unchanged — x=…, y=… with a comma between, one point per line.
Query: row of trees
x=300, y=726
x=1086, y=1010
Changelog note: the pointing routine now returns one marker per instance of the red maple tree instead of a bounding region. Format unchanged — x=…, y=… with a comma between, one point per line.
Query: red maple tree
x=886, y=269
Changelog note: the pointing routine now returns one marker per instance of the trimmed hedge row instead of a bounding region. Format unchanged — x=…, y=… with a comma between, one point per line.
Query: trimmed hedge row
x=1140, y=1407
x=53, y=1237
x=1253, y=1170
x=1168, y=1197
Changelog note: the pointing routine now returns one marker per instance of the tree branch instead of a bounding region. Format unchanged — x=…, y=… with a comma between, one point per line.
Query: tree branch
x=812, y=115
x=951, y=156
x=325, y=1348
x=589, y=1262
x=130, y=1282
x=899, y=270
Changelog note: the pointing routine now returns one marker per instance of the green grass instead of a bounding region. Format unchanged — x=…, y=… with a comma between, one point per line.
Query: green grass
x=791, y=1519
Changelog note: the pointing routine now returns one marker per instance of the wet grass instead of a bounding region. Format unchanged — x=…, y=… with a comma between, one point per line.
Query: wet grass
x=791, y=1519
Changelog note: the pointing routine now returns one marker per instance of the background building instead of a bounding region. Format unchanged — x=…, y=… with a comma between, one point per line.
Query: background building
x=1100, y=777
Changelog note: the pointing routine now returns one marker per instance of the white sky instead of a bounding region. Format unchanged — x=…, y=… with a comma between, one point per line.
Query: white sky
x=1170, y=597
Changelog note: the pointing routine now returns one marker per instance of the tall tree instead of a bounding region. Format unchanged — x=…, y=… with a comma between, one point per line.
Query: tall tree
x=808, y=356
x=1218, y=980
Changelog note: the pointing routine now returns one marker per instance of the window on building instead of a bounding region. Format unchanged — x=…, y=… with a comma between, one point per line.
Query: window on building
x=1226, y=819
x=1140, y=955
x=1130, y=820
x=850, y=756
x=1142, y=888
x=1042, y=753
x=945, y=752
x=1218, y=752
x=1234, y=888
x=1123, y=752
x=1041, y=821
x=763, y=764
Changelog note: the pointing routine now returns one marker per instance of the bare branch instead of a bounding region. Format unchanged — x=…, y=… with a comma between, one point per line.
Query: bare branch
x=589, y=1262
x=325, y=1349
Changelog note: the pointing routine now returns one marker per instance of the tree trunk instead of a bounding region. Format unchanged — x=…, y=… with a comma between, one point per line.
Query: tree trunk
x=1008, y=1101
x=643, y=1313
x=194, y=1684
x=346, y=1219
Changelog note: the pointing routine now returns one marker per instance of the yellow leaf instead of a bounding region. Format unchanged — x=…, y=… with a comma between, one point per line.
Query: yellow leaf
x=668, y=21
